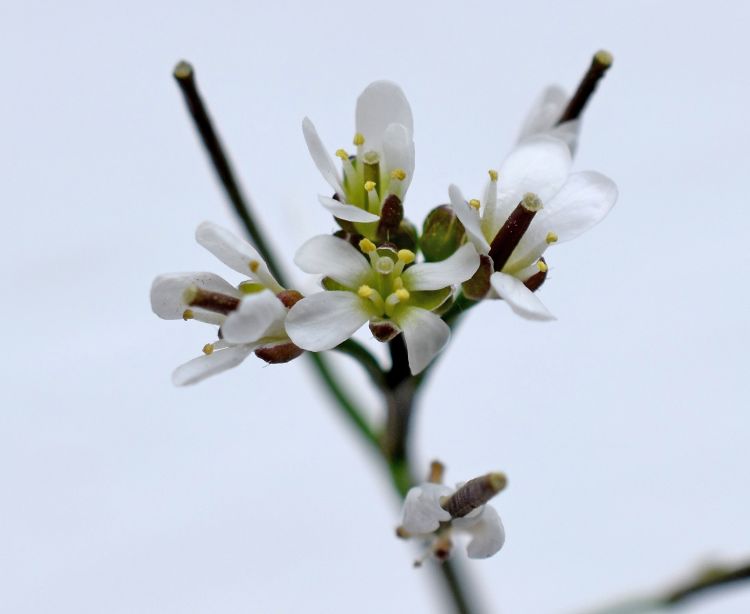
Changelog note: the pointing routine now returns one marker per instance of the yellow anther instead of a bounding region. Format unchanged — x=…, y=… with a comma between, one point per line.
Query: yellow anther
x=359, y=139
x=398, y=283
x=551, y=238
x=254, y=266
x=367, y=246
x=365, y=291
x=188, y=314
x=474, y=204
x=370, y=186
x=402, y=294
x=341, y=153
x=398, y=173
x=406, y=256
x=493, y=174
x=208, y=349
x=542, y=266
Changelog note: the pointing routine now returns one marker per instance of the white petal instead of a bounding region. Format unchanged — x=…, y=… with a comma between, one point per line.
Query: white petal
x=545, y=112
x=398, y=151
x=584, y=200
x=568, y=132
x=334, y=257
x=381, y=103
x=236, y=253
x=344, y=211
x=205, y=366
x=321, y=157
x=322, y=321
x=422, y=511
x=425, y=334
x=539, y=164
x=459, y=267
x=469, y=218
x=258, y=315
x=168, y=290
x=488, y=534
x=521, y=300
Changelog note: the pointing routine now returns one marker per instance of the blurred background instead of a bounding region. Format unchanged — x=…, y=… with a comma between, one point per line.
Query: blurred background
x=623, y=426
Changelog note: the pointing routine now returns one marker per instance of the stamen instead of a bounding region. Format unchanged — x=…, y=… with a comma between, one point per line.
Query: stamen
x=599, y=65
x=405, y=256
x=367, y=246
x=511, y=233
x=437, y=469
x=342, y=153
x=254, y=266
x=365, y=291
x=373, y=200
x=371, y=167
x=359, y=139
x=370, y=186
x=398, y=173
x=402, y=294
x=551, y=238
x=542, y=266
x=188, y=315
x=398, y=283
x=493, y=174
x=372, y=295
x=250, y=287
x=535, y=282
x=208, y=349
x=474, y=493
x=474, y=204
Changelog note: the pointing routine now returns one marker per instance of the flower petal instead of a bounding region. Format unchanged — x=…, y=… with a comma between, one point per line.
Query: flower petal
x=380, y=104
x=321, y=157
x=422, y=511
x=488, y=534
x=521, y=300
x=258, y=315
x=398, y=151
x=322, y=321
x=236, y=253
x=539, y=164
x=425, y=334
x=205, y=366
x=333, y=257
x=469, y=218
x=545, y=112
x=344, y=211
x=167, y=291
x=458, y=267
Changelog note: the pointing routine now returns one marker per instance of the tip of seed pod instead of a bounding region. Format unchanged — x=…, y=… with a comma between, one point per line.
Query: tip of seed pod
x=532, y=202
x=493, y=174
x=183, y=70
x=603, y=58
x=498, y=481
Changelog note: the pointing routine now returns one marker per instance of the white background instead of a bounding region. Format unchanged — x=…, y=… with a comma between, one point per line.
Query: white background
x=623, y=426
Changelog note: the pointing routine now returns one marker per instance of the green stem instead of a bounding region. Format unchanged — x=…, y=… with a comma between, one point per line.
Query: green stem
x=362, y=355
x=184, y=74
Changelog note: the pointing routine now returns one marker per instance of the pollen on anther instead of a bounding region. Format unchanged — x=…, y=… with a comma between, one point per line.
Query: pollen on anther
x=406, y=256
x=254, y=266
x=208, y=349
x=359, y=139
x=367, y=246
x=493, y=174
x=474, y=204
x=370, y=186
x=398, y=173
x=542, y=266
x=402, y=294
x=365, y=291
x=341, y=153
x=551, y=238
x=188, y=314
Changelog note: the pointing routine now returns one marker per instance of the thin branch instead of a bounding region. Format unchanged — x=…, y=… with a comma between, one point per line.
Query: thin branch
x=707, y=580
x=362, y=355
x=184, y=74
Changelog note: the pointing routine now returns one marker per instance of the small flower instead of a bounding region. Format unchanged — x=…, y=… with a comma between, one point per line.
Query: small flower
x=379, y=286
x=540, y=203
x=383, y=164
x=251, y=316
x=434, y=512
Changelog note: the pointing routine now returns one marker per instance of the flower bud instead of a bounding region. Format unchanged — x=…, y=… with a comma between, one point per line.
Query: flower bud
x=478, y=286
x=278, y=354
x=442, y=234
x=383, y=330
x=391, y=215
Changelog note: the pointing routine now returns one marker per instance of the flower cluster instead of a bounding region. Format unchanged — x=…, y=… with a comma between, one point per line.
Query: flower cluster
x=371, y=269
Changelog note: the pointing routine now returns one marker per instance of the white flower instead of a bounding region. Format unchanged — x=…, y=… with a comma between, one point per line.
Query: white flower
x=384, y=159
x=251, y=316
x=424, y=517
x=544, y=115
x=561, y=206
x=376, y=286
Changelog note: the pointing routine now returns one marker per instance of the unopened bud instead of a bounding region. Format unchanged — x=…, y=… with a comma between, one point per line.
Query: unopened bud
x=289, y=298
x=442, y=234
x=391, y=214
x=478, y=286
x=474, y=493
x=384, y=330
x=437, y=469
x=278, y=354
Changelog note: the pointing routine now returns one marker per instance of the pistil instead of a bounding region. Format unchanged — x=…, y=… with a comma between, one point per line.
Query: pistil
x=599, y=65
x=508, y=237
x=210, y=301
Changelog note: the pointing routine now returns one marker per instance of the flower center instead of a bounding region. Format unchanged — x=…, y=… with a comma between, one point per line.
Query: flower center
x=386, y=290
